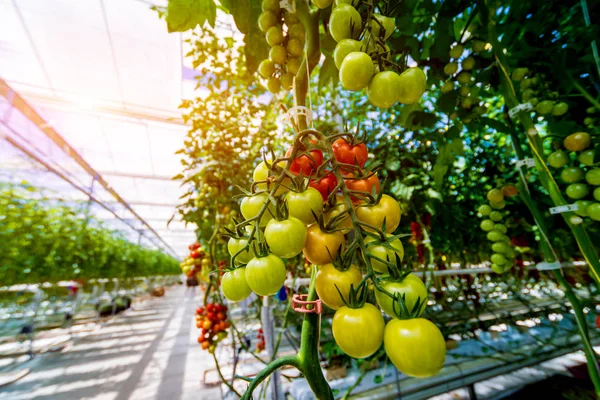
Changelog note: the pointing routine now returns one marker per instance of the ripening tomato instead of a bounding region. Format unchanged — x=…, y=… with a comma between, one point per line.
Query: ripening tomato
x=261, y=174
x=265, y=275
x=234, y=285
x=577, y=141
x=321, y=246
x=234, y=245
x=358, y=331
x=363, y=185
x=251, y=206
x=350, y=154
x=301, y=205
x=374, y=215
x=285, y=238
x=205, y=345
x=304, y=164
x=411, y=288
x=415, y=346
x=326, y=185
x=328, y=277
x=207, y=324
x=377, y=249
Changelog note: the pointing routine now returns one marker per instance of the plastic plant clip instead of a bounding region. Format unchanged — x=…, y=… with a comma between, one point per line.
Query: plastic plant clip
x=296, y=111
x=299, y=304
x=521, y=107
x=289, y=5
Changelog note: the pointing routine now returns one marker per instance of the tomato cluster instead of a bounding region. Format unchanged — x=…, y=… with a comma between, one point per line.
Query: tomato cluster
x=368, y=63
x=533, y=87
x=285, y=34
x=213, y=321
x=576, y=170
x=197, y=263
x=504, y=253
x=260, y=340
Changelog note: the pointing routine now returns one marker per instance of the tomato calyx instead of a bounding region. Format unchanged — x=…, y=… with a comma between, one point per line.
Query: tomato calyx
x=394, y=267
x=357, y=297
x=400, y=308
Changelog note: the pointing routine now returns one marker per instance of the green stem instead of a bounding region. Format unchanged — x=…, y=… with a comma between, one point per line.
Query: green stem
x=223, y=378
x=268, y=370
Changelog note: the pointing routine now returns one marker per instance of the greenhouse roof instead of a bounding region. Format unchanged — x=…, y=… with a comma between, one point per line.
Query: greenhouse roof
x=108, y=78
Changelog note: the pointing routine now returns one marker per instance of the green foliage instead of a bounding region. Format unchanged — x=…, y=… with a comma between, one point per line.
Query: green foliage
x=183, y=15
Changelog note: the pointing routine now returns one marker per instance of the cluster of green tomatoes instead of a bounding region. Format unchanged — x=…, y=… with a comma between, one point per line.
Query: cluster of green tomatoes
x=533, y=87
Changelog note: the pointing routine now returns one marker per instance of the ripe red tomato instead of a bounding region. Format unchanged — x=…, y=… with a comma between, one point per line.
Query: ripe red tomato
x=325, y=185
x=220, y=316
x=597, y=321
x=346, y=153
x=201, y=339
x=205, y=345
x=364, y=185
x=195, y=254
x=210, y=316
x=304, y=164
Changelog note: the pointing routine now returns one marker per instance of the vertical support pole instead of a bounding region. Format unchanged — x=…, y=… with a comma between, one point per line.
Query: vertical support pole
x=472, y=393
x=275, y=391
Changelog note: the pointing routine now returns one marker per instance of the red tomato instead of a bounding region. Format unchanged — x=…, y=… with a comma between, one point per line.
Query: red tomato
x=364, y=185
x=204, y=331
x=218, y=308
x=220, y=316
x=210, y=307
x=210, y=316
x=325, y=185
x=199, y=310
x=348, y=154
x=304, y=164
x=597, y=321
x=201, y=339
x=205, y=345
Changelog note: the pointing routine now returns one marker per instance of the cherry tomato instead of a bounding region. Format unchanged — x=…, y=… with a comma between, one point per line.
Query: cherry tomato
x=585, y=157
x=389, y=25
x=577, y=191
x=328, y=277
x=577, y=141
x=363, y=185
x=207, y=324
x=376, y=249
x=340, y=207
x=201, y=339
x=593, y=210
x=210, y=316
x=387, y=209
x=413, y=83
x=571, y=175
x=285, y=238
x=415, y=346
x=348, y=154
x=318, y=243
x=345, y=22
x=304, y=164
x=358, y=331
x=234, y=245
x=210, y=307
x=195, y=254
x=495, y=195
x=356, y=71
x=205, y=345
x=558, y=159
x=384, y=89
x=262, y=173
x=234, y=285
x=301, y=204
x=411, y=288
x=593, y=176
x=265, y=275
x=212, y=348
x=326, y=185
x=251, y=206
x=343, y=48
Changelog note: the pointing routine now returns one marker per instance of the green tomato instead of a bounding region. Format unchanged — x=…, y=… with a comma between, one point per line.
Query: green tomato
x=411, y=288
x=464, y=77
x=278, y=54
x=384, y=89
x=586, y=157
x=358, y=331
x=356, y=71
x=582, y=206
x=287, y=81
x=447, y=87
x=498, y=205
x=468, y=63
x=266, y=68
x=234, y=284
x=495, y=216
x=597, y=194
x=495, y=236
x=388, y=25
x=297, y=31
x=345, y=22
x=487, y=225
x=456, y=51
x=558, y=159
x=451, y=68
x=560, y=109
x=322, y=4
x=343, y=48
x=499, y=269
x=495, y=195
x=274, y=35
x=413, y=83
x=266, y=20
x=577, y=141
x=271, y=5
x=251, y=206
x=295, y=47
x=302, y=205
x=464, y=91
x=571, y=175
x=285, y=238
x=265, y=275
x=577, y=191
x=484, y=210
x=594, y=211
x=498, y=259
x=234, y=245
x=478, y=46
x=384, y=253
x=274, y=85
x=593, y=177
x=293, y=65
x=519, y=73
x=544, y=107
x=500, y=228
x=499, y=247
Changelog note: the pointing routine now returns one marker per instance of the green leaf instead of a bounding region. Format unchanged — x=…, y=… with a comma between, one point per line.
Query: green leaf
x=457, y=147
x=328, y=72
x=447, y=102
x=494, y=124
x=439, y=171
x=256, y=49
x=183, y=15
x=454, y=132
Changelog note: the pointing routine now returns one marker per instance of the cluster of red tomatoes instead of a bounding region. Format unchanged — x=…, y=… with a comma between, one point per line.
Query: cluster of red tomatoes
x=580, y=173
x=213, y=321
x=196, y=263
x=260, y=340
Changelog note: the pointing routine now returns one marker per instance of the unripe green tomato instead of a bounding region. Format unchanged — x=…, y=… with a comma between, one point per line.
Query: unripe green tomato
x=487, y=225
x=278, y=54
x=495, y=195
x=560, y=109
x=582, y=206
x=499, y=247
x=577, y=141
x=594, y=211
x=484, y=210
x=498, y=269
x=356, y=71
x=343, y=48
x=498, y=259
x=468, y=63
x=322, y=3
x=495, y=216
x=274, y=35
x=344, y=23
x=498, y=205
x=297, y=31
x=271, y=5
x=287, y=80
x=571, y=175
x=293, y=65
x=467, y=102
x=274, y=85
x=291, y=19
x=588, y=121
x=413, y=84
x=519, y=73
x=457, y=51
x=528, y=94
x=464, y=91
x=383, y=89
x=353, y=3
x=266, y=20
x=534, y=101
x=526, y=83
x=464, y=77
x=593, y=176
x=266, y=68
x=388, y=25
x=451, y=68
x=501, y=228
x=558, y=159
x=544, y=107
x=447, y=87
x=480, y=110
x=495, y=236
x=478, y=46
x=586, y=157
x=597, y=194
x=295, y=48
x=509, y=253
x=577, y=191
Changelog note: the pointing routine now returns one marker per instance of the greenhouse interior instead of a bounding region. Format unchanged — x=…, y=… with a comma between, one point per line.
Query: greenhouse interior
x=299, y=199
